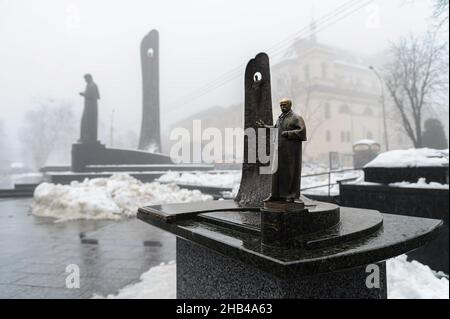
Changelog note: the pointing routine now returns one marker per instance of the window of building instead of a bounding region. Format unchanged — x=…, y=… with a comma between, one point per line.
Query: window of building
x=349, y=136
x=344, y=109
x=342, y=136
x=369, y=135
x=328, y=136
x=327, y=110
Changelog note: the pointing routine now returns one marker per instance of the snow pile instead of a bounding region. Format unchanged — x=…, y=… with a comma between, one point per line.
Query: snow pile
x=157, y=283
x=222, y=179
x=414, y=157
x=412, y=280
x=106, y=198
x=405, y=280
x=421, y=183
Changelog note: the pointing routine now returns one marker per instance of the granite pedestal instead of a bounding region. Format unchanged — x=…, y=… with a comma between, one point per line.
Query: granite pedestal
x=221, y=253
x=203, y=273
x=95, y=153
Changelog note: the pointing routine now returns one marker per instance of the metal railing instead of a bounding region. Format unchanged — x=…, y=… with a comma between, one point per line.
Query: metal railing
x=329, y=184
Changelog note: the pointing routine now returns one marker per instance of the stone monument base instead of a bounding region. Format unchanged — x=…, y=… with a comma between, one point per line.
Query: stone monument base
x=204, y=273
x=95, y=153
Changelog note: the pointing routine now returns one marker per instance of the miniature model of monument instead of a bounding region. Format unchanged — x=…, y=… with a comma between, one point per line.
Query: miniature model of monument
x=287, y=246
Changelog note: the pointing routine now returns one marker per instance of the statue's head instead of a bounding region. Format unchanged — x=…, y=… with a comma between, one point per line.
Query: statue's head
x=88, y=78
x=285, y=105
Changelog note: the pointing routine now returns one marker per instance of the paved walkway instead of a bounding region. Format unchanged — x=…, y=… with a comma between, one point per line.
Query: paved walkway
x=35, y=251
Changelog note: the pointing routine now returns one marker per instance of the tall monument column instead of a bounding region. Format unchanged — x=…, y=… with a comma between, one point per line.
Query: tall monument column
x=150, y=139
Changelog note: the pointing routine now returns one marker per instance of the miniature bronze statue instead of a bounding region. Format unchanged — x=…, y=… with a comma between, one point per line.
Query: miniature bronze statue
x=287, y=162
x=89, y=119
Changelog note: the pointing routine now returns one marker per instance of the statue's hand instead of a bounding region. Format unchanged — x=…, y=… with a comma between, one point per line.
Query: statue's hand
x=82, y=93
x=284, y=134
x=260, y=123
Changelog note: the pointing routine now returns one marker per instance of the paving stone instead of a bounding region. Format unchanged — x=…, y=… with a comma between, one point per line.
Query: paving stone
x=10, y=277
x=49, y=293
x=10, y=291
x=34, y=253
x=43, y=280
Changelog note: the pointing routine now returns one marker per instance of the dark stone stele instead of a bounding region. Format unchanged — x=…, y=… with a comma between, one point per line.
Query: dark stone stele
x=282, y=249
x=257, y=106
x=150, y=128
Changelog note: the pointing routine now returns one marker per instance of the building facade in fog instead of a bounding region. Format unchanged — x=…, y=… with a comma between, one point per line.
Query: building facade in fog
x=336, y=93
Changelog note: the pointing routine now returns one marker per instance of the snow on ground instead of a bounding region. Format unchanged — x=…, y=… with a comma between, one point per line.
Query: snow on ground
x=232, y=179
x=106, y=198
x=220, y=179
x=405, y=280
x=413, y=280
x=414, y=157
x=421, y=183
x=8, y=180
x=157, y=283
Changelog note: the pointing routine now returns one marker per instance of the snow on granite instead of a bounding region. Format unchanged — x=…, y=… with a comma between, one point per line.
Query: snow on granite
x=414, y=157
x=421, y=183
x=106, y=198
x=405, y=280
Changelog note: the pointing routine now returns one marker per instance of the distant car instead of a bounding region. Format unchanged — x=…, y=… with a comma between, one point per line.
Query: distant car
x=364, y=151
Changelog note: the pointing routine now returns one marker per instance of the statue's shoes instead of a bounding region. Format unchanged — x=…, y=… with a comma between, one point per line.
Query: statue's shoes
x=271, y=199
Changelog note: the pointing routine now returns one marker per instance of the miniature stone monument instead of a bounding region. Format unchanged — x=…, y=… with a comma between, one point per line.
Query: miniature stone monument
x=283, y=249
x=257, y=107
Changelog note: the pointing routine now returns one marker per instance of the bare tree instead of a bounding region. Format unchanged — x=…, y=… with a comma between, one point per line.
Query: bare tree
x=416, y=76
x=441, y=13
x=50, y=126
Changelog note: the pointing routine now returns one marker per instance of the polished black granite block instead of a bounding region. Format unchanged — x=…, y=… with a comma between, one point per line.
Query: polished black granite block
x=204, y=273
x=281, y=225
x=361, y=237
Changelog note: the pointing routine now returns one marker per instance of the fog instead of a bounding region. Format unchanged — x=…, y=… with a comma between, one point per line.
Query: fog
x=47, y=45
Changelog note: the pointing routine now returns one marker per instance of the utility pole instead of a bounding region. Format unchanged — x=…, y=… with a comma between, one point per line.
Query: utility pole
x=383, y=106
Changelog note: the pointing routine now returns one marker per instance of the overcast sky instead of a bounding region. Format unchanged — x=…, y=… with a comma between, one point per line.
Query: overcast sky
x=47, y=45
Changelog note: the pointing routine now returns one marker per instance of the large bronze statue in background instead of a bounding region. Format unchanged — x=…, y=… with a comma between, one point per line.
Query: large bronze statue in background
x=89, y=120
x=287, y=162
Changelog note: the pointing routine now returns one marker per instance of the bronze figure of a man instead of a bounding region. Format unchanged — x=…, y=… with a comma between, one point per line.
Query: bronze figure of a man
x=287, y=162
x=89, y=120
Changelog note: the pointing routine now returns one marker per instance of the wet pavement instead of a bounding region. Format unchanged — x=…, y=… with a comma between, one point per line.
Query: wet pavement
x=35, y=251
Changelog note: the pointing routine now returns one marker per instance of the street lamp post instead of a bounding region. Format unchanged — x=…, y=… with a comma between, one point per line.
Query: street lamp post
x=383, y=107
